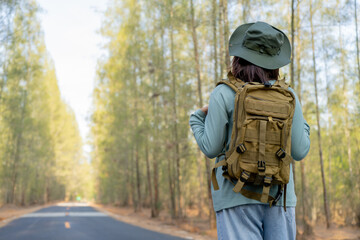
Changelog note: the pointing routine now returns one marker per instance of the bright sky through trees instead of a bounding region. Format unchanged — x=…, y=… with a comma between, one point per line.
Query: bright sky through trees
x=70, y=28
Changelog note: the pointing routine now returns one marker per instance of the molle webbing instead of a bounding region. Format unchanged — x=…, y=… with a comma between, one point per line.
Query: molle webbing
x=252, y=157
x=276, y=110
x=262, y=144
x=271, y=137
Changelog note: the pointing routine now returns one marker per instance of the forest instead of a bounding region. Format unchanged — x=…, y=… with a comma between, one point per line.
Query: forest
x=41, y=156
x=163, y=59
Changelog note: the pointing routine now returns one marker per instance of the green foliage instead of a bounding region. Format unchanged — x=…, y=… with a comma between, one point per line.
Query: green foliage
x=40, y=146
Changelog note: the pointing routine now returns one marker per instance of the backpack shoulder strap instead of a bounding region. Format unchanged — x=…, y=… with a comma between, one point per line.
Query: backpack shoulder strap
x=228, y=83
x=234, y=83
x=282, y=83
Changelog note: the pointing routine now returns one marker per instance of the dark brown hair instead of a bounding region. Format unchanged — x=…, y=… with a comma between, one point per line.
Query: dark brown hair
x=249, y=72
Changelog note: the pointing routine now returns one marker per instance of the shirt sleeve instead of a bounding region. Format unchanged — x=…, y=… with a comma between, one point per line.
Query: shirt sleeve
x=210, y=130
x=300, y=133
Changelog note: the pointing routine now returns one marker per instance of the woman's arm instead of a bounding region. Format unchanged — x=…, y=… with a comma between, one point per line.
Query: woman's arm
x=300, y=133
x=210, y=130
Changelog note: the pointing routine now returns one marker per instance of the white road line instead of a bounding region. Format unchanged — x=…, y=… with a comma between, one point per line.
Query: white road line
x=73, y=204
x=63, y=214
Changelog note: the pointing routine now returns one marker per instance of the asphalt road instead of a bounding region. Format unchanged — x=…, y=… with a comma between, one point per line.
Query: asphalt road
x=74, y=223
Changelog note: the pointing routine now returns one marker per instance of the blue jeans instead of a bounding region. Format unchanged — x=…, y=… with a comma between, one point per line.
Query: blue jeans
x=256, y=221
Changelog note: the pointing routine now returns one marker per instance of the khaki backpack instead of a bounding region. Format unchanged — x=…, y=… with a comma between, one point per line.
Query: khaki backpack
x=260, y=146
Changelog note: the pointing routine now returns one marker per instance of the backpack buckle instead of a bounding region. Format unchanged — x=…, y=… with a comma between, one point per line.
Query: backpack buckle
x=244, y=176
x=267, y=181
x=278, y=195
x=241, y=148
x=281, y=153
x=224, y=168
x=261, y=166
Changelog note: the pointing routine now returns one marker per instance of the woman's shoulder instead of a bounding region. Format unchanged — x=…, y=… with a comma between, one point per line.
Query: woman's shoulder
x=223, y=89
x=224, y=96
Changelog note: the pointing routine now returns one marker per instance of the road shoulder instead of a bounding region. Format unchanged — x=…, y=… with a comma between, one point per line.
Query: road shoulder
x=11, y=212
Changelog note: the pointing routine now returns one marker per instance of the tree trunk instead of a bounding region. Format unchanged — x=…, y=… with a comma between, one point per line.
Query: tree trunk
x=174, y=108
x=304, y=197
x=246, y=10
x=19, y=138
x=357, y=41
x=155, y=211
x=292, y=61
x=132, y=182
x=170, y=157
x=304, y=203
x=171, y=191
x=23, y=193
x=201, y=183
x=298, y=54
x=149, y=179
x=199, y=92
x=198, y=74
x=292, y=43
x=138, y=187
x=214, y=25
x=346, y=101
x=326, y=207
x=329, y=120
x=46, y=190
x=156, y=186
x=137, y=147
x=224, y=8
x=221, y=34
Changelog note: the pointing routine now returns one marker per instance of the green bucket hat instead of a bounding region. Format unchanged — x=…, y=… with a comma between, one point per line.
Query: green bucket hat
x=261, y=44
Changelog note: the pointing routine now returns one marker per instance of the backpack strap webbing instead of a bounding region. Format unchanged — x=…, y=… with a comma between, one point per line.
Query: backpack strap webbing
x=228, y=83
x=266, y=189
x=245, y=175
x=233, y=82
x=282, y=83
x=214, y=181
x=213, y=175
x=285, y=197
x=256, y=196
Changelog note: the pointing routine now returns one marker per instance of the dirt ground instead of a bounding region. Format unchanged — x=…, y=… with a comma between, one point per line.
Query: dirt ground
x=10, y=212
x=193, y=227
x=334, y=233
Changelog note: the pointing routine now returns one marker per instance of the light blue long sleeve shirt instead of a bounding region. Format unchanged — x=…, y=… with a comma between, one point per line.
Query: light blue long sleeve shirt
x=211, y=131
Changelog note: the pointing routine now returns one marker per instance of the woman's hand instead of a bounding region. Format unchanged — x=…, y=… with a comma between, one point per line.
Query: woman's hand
x=205, y=109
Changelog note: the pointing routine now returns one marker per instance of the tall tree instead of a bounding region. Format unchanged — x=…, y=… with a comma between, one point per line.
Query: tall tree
x=215, y=38
x=357, y=40
x=176, y=147
x=326, y=207
x=200, y=96
x=225, y=23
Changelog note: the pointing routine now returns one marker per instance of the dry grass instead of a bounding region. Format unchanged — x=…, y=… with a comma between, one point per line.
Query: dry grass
x=334, y=233
x=9, y=212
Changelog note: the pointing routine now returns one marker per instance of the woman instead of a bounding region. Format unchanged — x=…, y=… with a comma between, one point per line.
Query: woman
x=259, y=51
